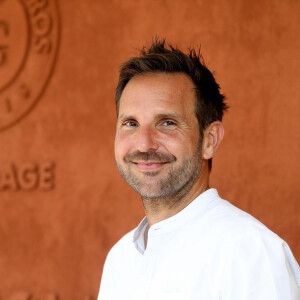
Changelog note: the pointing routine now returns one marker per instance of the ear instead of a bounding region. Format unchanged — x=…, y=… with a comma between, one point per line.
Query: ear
x=212, y=138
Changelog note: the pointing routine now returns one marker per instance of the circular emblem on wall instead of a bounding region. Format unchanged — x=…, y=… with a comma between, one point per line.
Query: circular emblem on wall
x=29, y=35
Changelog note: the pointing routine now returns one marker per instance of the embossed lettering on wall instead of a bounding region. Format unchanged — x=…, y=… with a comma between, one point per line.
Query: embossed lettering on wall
x=29, y=35
x=27, y=176
x=30, y=296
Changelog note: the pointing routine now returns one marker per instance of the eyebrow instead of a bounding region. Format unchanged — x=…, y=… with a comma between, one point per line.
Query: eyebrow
x=125, y=117
x=171, y=115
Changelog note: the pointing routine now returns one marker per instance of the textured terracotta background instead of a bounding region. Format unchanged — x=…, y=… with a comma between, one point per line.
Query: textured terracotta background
x=62, y=203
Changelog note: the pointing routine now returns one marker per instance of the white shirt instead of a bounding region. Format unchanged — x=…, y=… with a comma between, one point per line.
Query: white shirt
x=210, y=250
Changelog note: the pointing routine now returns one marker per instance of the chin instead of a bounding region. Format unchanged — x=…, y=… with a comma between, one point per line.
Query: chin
x=153, y=193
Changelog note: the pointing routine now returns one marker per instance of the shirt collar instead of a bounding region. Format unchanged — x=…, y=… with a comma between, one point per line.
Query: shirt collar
x=139, y=236
x=194, y=209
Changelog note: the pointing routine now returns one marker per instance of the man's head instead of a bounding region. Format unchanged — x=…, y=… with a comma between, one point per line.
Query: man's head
x=158, y=58
x=169, y=108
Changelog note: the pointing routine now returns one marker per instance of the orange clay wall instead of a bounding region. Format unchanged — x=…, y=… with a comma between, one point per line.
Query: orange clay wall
x=62, y=203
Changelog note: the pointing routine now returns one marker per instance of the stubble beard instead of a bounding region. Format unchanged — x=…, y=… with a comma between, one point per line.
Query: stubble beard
x=170, y=187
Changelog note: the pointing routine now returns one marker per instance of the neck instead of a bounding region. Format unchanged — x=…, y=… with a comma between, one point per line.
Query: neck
x=159, y=209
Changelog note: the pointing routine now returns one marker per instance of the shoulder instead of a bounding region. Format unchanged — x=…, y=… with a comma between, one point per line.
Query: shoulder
x=247, y=243
x=232, y=222
x=123, y=249
x=250, y=252
x=123, y=244
x=234, y=231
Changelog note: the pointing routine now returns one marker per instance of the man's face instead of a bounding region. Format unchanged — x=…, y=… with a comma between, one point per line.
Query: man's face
x=157, y=143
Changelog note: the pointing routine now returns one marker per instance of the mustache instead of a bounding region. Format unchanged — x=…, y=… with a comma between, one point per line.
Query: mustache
x=152, y=156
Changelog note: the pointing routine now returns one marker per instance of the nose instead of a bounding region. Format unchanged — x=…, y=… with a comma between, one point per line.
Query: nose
x=146, y=139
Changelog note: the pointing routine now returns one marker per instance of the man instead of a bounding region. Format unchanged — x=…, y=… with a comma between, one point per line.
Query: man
x=191, y=244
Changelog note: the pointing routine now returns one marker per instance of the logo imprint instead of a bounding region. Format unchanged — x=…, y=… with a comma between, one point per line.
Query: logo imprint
x=29, y=36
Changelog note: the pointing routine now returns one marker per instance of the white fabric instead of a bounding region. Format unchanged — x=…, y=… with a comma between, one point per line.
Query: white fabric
x=210, y=250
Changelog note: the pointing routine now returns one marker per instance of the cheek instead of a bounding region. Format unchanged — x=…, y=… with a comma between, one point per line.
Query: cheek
x=175, y=147
x=181, y=146
x=122, y=145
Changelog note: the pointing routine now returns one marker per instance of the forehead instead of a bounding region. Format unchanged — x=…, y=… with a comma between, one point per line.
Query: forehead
x=164, y=91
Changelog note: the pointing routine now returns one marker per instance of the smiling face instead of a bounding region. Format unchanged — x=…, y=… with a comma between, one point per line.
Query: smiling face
x=157, y=143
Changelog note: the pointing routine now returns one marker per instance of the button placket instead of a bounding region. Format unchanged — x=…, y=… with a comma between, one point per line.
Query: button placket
x=150, y=256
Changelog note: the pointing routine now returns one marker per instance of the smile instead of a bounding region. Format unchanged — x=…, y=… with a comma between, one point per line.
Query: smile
x=148, y=166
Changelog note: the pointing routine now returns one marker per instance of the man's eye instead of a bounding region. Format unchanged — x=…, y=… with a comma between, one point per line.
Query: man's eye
x=130, y=124
x=168, y=123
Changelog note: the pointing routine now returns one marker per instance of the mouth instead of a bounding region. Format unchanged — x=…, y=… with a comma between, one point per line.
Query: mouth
x=148, y=165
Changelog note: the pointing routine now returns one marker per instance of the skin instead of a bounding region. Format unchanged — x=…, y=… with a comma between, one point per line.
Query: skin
x=158, y=149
